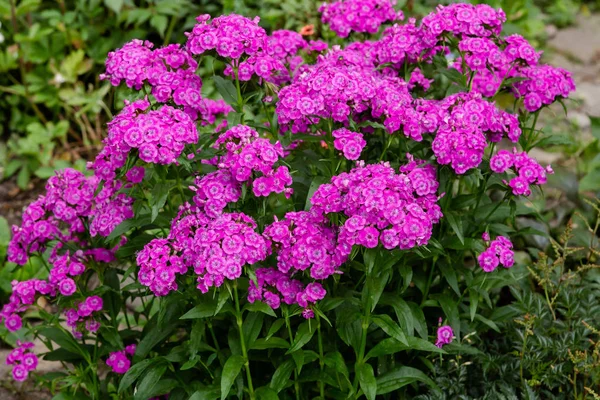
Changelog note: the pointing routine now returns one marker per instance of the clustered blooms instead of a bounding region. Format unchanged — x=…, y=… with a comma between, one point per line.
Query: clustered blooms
x=398, y=210
x=159, y=136
x=528, y=170
x=445, y=334
x=274, y=286
x=499, y=252
x=345, y=16
x=230, y=36
x=247, y=155
x=544, y=84
x=81, y=318
x=373, y=81
x=305, y=241
x=348, y=142
x=23, y=360
x=462, y=19
x=119, y=360
x=461, y=137
x=215, y=248
x=59, y=215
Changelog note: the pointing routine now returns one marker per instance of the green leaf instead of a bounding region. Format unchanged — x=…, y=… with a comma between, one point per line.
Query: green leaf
x=336, y=361
x=4, y=232
x=205, y=309
x=261, y=307
x=400, y=377
x=115, y=5
x=160, y=192
x=590, y=182
x=231, y=370
x=145, y=388
x=207, y=393
x=456, y=225
x=450, y=275
x=272, y=343
x=375, y=284
x=159, y=22
x=134, y=372
x=403, y=312
x=281, y=377
x=303, y=336
x=366, y=378
x=473, y=302
x=226, y=89
x=64, y=340
x=275, y=327
x=252, y=327
x=390, y=327
x=595, y=126
x=23, y=177
x=392, y=346
x=266, y=393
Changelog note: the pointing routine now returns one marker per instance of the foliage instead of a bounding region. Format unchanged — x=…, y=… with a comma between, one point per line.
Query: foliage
x=121, y=247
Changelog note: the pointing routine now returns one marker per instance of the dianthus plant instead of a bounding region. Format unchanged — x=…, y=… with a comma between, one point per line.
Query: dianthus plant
x=339, y=219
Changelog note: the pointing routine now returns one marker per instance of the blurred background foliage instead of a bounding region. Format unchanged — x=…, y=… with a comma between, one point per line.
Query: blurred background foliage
x=543, y=338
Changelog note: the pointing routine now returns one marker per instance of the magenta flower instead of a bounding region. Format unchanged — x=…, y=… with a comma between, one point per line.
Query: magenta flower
x=445, y=334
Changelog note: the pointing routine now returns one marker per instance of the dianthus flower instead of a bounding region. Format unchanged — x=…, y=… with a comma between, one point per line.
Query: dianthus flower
x=445, y=334
x=467, y=119
x=119, y=360
x=349, y=143
x=274, y=287
x=23, y=360
x=215, y=190
x=216, y=248
x=465, y=20
x=396, y=210
x=230, y=36
x=159, y=136
x=543, y=85
x=499, y=252
x=59, y=214
x=340, y=84
x=305, y=241
x=252, y=159
x=528, y=170
x=345, y=16
x=81, y=318
x=407, y=42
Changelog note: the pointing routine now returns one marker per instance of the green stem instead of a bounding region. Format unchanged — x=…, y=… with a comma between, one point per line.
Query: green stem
x=429, y=280
x=387, y=146
x=174, y=20
x=240, y=99
x=238, y=317
x=289, y=329
x=366, y=322
x=321, y=358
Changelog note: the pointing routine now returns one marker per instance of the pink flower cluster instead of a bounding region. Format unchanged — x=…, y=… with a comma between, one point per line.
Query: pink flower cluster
x=499, y=252
x=345, y=16
x=405, y=42
x=445, y=334
x=461, y=137
x=81, y=318
x=119, y=360
x=396, y=210
x=215, y=190
x=60, y=214
x=216, y=248
x=23, y=360
x=305, y=241
x=159, y=266
x=159, y=136
x=23, y=295
x=247, y=155
x=170, y=71
x=544, y=85
x=528, y=170
x=333, y=88
x=462, y=19
x=275, y=286
x=231, y=36
x=348, y=142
